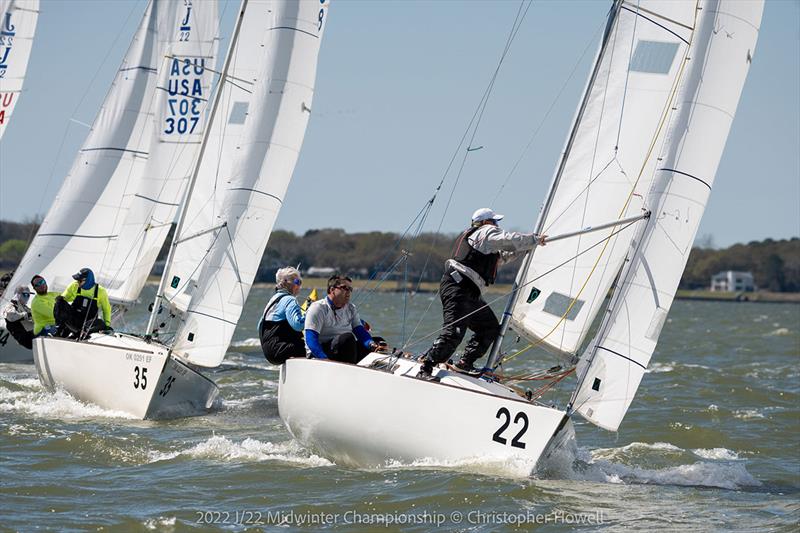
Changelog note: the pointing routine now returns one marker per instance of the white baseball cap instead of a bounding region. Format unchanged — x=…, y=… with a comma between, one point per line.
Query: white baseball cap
x=484, y=213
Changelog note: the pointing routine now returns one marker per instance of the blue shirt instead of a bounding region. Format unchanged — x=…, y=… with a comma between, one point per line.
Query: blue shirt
x=286, y=309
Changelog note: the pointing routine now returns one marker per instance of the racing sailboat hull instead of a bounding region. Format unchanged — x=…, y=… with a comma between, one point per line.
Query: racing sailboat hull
x=124, y=373
x=376, y=412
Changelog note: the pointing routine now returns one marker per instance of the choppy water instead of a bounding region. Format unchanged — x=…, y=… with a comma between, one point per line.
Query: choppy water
x=712, y=442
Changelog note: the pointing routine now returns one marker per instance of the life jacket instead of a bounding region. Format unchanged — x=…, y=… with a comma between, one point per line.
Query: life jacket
x=485, y=265
x=276, y=333
x=85, y=307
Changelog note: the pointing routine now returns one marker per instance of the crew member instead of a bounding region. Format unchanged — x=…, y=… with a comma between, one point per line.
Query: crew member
x=477, y=253
x=44, y=323
x=76, y=311
x=281, y=325
x=333, y=329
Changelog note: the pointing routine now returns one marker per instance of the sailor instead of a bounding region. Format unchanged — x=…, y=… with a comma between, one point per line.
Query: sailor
x=477, y=253
x=281, y=325
x=333, y=329
x=19, y=322
x=77, y=308
x=44, y=323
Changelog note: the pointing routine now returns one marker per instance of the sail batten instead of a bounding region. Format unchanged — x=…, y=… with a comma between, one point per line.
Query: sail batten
x=617, y=358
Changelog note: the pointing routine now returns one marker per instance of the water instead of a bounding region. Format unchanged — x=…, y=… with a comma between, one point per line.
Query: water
x=711, y=442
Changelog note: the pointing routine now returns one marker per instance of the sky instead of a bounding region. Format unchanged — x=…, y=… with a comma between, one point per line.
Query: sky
x=397, y=84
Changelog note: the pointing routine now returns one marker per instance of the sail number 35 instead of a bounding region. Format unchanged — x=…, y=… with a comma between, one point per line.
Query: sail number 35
x=505, y=414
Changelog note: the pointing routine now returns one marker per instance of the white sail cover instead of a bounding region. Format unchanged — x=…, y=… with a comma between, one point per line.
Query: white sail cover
x=605, y=171
x=83, y=224
x=182, y=94
x=720, y=57
x=17, y=26
x=256, y=138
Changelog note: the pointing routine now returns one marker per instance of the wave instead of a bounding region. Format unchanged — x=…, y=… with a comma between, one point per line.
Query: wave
x=218, y=448
x=780, y=332
x=486, y=465
x=247, y=343
x=28, y=396
x=721, y=468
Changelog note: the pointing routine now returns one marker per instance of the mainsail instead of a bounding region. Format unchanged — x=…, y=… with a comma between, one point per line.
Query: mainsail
x=85, y=222
x=606, y=169
x=17, y=26
x=724, y=40
x=253, y=145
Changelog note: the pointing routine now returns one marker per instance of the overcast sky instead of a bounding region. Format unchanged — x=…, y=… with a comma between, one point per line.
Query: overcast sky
x=396, y=87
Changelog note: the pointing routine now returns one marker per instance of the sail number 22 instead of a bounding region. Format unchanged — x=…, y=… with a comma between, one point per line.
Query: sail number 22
x=505, y=414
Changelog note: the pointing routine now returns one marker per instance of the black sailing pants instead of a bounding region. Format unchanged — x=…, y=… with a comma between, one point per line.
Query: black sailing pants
x=345, y=348
x=461, y=300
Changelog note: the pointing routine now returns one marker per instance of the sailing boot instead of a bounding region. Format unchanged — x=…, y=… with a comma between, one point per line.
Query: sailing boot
x=466, y=366
x=426, y=371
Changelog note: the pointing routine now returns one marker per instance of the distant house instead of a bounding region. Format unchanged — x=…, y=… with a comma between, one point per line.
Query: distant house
x=320, y=272
x=733, y=281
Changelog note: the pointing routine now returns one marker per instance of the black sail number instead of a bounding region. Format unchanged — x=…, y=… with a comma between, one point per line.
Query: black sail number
x=506, y=415
x=140, y=378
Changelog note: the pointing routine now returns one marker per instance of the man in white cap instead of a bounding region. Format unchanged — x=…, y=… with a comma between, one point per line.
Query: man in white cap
x=473, y=267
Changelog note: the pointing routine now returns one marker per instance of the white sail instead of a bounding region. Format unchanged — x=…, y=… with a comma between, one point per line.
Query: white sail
x=17, y=26
x=84, y=222
x=719, y=60
x=605, y=171
x=182, y=96
x=244, y=174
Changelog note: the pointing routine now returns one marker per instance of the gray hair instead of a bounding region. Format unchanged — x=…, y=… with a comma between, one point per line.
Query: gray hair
x=285, y=276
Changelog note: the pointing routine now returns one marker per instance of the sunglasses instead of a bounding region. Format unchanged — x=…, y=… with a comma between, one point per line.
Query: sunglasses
x=297, y=281
x=39, y=282
x=345, y=288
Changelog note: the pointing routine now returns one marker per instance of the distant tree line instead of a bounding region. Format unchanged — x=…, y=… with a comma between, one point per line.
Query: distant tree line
x=775, y=264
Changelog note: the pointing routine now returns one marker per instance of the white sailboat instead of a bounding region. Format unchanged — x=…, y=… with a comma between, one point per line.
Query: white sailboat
x=636, y=173
x=255, y=129
x=128, y=160
x=17, y=27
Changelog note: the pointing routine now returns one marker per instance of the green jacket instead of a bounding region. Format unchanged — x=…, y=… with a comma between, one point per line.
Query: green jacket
x=42, y=311
x=71, y=292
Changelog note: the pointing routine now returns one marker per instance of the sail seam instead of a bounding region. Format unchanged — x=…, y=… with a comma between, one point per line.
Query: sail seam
x=687, y=175
x=639, y=14
x=154, y=200
x=140, y=67
x=294, y=29
x=78, y=235
x=211, y=316
x=115, y=150
x=623, y=356
x=259, y=192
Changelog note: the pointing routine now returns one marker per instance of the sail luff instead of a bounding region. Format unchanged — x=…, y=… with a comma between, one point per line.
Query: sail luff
x=726, y=36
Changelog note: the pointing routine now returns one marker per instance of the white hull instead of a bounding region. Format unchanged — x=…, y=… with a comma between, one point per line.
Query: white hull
x=124, y=373
x=365, y=417
x=10, y=350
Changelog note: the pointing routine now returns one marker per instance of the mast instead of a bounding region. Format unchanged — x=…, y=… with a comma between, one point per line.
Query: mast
x=182, y=215
x=494, y=354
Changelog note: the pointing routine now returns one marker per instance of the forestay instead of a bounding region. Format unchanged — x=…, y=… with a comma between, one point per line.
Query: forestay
x=17, y=26
x=606, y=169
x=182, y=94
x=83, y=225
x=254, y=142
x=617, y=358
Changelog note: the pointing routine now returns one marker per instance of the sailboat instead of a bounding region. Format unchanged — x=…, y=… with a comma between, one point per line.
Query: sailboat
x=622, y=212
x=255, y=128
x=130, y=157
x=17, y=27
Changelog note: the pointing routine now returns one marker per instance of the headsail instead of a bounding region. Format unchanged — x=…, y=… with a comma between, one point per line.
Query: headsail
x=719, y=59
x=182, y=94
x=254, y=144
x=83, y=225
x=605, y=171
x=17, y=26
